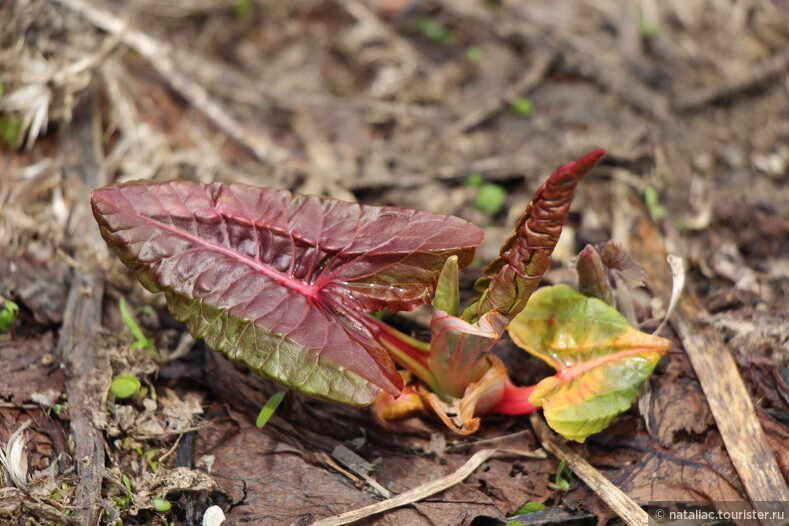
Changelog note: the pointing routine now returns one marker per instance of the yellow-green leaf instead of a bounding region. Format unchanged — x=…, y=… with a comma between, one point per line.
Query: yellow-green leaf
x=124, y=386
x=601, y=360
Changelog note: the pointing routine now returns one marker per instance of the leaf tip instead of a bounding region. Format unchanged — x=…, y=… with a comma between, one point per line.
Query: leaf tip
x=588, y=161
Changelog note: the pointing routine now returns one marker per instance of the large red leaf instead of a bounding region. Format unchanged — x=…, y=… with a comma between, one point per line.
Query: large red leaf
x=280, y=282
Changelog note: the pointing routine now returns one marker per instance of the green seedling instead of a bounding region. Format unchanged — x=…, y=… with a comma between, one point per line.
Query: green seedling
x=243, y=10
x=475, y=180
x=140, y=342
x=649, y=26
x=57, y=410
x=125, y=501
x=109, y=512
x=58, y=493
x=652, y=201
x=124, y=387
x=490, y=198
x=435, y=30
x=148, y=457
x=8, y=316
x=162, y=505
x=11, y=130
x=528, y=507
x=60, y=408
x=269, y=407
x=522, y=106
x=475, y=54
x=563, y=477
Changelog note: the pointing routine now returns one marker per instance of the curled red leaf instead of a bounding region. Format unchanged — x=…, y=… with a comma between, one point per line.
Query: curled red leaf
x=513, y=276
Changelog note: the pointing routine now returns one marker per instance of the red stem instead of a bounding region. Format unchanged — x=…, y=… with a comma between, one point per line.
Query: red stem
x=515, y=400
x=391, y=340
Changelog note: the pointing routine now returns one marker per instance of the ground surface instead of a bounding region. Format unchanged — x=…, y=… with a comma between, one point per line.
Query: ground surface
x=383, y=102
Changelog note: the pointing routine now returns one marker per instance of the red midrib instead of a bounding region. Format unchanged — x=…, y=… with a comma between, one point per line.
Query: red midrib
x=312, y=292
x=575, y=371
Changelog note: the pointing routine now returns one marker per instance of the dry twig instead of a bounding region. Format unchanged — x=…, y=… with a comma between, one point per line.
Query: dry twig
x=624, y=506
x=86, y=370
x=719, y=377
x=425, y=490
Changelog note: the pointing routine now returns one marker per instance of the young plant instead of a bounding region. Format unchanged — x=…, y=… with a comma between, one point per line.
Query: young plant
x=8, y=314
x=271, y=405
x=140, y=341
x=286, y=283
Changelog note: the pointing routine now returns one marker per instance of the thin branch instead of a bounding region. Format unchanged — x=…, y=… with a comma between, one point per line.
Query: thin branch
x=87, y=369
x=720, y=379
x=621, y=504
x=425, y=490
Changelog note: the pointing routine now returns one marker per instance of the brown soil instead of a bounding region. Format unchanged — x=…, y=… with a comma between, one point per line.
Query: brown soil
x=383, y=102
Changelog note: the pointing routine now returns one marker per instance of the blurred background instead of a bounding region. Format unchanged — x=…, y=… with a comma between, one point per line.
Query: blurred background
x=456, y=106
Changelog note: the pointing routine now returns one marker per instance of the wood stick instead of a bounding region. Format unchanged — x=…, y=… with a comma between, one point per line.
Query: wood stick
x=87, y=373
x=423, y=491
x=617, y=500
x=77, y=346
x=718, y=374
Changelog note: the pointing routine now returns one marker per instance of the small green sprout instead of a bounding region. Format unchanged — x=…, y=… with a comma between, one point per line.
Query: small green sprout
x=522, y=106
x=435, y=30
x=528, y=507
x=124, y=387
x=475, y=180
x=124, y=502
x=269, y=407
x=148, y=456
x=490, y=198
x=514, y=523
x=59, y=408
x=162, y=505
x=153, y=464
x=649, y=26
x=141, y=342
x=56, y=410
x=652, y=200
x=243, y=10
x=11, y=130
x=475, y=54
x=563, y=477
x=8, y=315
